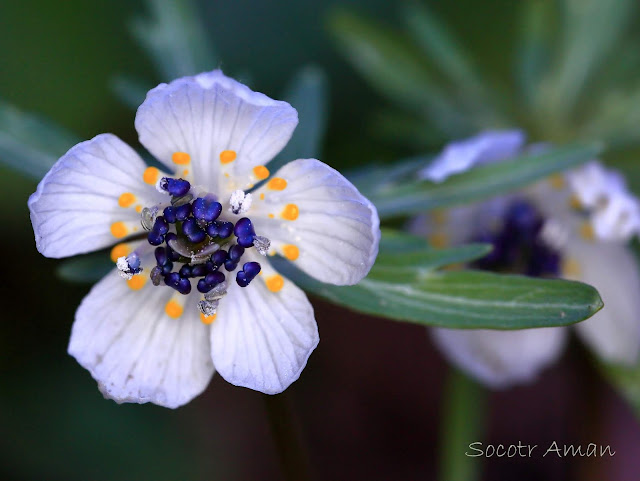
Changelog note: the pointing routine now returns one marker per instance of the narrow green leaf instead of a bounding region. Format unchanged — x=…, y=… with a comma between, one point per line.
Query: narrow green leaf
x=29, y=143
x=88, y=268
x=131, y=92
x=590, y=32
x=407, y=287
x=442, y=48
x=396, y=69
x=478, y=183
x=533, y=52
x=308, y=94
x=175, y=39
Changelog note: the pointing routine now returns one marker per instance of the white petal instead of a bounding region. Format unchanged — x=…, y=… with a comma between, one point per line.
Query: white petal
x=134, y=350
x=262, y=339
x=501, y=358
x=460, y=156
x=614, y=332
x=76, y=203
x=210, y=113
x=336, y=230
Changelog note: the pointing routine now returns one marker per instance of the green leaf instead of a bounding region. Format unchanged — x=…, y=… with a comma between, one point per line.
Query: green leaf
x=442, y=48
x=29, y=143
x=131, y=92
x=308, y=94
x=477, y=183
x=395, y=68
x=590, y=32
x=406, y=286
x=88, y=268
x=626, y=379
x=175, y=39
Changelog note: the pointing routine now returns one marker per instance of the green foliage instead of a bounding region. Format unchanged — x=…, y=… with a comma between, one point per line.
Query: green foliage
x=30, y=144
x=395, y=196
x=626, y=379
x=405, y=285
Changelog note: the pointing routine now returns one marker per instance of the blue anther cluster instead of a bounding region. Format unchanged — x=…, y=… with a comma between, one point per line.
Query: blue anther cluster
x=518, y=246
x=197, y=222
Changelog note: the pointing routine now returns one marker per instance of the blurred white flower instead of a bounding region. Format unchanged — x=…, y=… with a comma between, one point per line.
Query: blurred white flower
x=574, y=225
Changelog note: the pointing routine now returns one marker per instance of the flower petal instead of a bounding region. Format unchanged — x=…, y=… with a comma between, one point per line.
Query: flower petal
x=77, y=208
x=501, y=358
x=311, y=208
x=222, y=125
x=460, y=156
x=614, y=332
x=262, y=339
x=135, y=351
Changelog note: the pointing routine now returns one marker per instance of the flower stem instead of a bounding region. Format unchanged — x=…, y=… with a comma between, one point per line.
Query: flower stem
x=463, y=417
x=294, y=461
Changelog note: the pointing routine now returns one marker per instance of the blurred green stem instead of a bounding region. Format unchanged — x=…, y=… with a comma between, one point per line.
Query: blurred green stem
x=285, y=431
x=464, y=413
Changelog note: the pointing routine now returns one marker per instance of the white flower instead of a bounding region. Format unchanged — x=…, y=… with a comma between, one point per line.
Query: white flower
x=573, y=226
x=154, y=343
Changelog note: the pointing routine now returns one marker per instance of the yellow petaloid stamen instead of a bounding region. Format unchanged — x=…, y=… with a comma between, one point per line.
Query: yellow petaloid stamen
x=208, y=319
x=173, y=309
x=291, y=252
x=439, y=240
x=439, y=217
x=571, y=268
x=275, y=282
x=150, y=175
x=574, y=202
x=277, y=183
x=586, y=231
x=126, y=199
x=261, y=172
x=119, y=250
x=137, y=282
x=181, y=158
x=118, y=230
x=290, y=212
x=557, y=181
x=227, y=156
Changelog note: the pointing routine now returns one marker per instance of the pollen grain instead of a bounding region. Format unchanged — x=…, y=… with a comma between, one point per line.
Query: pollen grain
x=227, y=156
x=119, y=250
x=277, y=183
x=118, y=230
x=173, y=309
x=261, y=172
x=275, y=282
x=290, y=212
x=291, y=252
x=126, y=199
x=150, y=175
x=137, y=282
x=181, y=158
x=208, y=319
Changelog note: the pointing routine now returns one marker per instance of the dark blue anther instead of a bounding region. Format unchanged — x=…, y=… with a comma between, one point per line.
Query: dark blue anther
x=160, y=226
x=206, y=209
x=167, y=268
x=219, y=256
x=235, y=253
x=175, y=187
x=184, y=286
x=154, y=238
x=172, y=279
x=523, y=220
x=170, y=214
x=242, y=279
x=225, y=229
x=198, y=270
x=246, y=241
x=193, y=231
x=230, y=265
x=182, y=211
x=185, y=271
x=252, y=269
x=214, y=278
x=203, y=286
x=249, y=271
x=244, y=228
x=161, y=256
x=212, y=229
x=210, y=266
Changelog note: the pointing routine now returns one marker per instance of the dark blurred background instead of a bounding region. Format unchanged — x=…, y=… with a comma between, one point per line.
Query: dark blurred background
x=369, y=402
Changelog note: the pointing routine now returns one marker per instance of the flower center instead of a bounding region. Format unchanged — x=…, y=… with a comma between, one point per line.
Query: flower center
x=518, y=244
x=196, y=244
